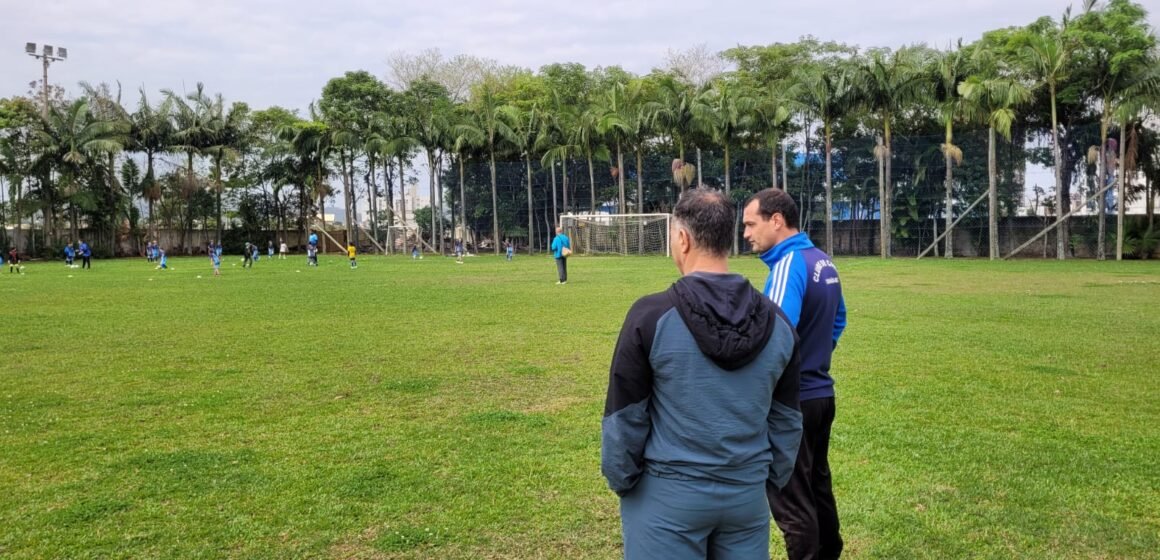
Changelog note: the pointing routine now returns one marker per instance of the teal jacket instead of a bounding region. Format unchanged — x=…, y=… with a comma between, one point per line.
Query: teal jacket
x=558, y=244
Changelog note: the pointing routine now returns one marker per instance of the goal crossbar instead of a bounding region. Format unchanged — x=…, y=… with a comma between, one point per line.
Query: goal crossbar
x=618, y=234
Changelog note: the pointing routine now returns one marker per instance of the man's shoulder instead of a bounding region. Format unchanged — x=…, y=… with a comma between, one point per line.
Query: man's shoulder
x=651, y=307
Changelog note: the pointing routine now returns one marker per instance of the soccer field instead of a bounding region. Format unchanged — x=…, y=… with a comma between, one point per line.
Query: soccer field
x=426, y=409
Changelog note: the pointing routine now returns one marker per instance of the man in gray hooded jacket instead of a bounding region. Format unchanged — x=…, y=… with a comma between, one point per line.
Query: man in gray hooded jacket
x=702, y=406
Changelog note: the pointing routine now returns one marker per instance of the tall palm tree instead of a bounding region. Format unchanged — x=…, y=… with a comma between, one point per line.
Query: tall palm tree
x=827, y=93
x=586, y=135
x=466, y=137
x=488, y=114
x=151, y=135
x=888, y=83
x=70, y=140
x=226, y=136
x=525, y=126
x=612, y=124
x=727, y=108
x=1047, y=56
x=191, y=135
x=676, y=117
x=771, y=120
x=951, y=69
x=312, y=142
x=994, y=99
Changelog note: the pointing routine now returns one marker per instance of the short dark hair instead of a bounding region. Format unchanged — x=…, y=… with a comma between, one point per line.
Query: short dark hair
x=776, y=201
x=709, y=217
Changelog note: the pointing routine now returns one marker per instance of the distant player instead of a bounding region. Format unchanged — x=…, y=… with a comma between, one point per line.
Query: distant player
x=459, y=251
x=86, y=254
x=509, y=249
x=314, y=239
x=13, y=261
x=350, y=252
x=215, y=257
x=415, y=252
x=163, y=262
x=282, y=250
x=69, y=255
x=248, y=256
x=270, y=249
x=311, y=255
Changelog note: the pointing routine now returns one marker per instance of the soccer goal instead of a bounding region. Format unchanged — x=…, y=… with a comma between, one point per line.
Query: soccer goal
x=617, y=234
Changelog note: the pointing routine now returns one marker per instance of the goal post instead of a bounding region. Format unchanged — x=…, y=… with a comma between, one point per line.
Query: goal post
x=618, y=234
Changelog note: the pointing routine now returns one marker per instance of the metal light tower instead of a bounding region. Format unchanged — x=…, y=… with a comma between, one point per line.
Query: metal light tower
x=48, y=57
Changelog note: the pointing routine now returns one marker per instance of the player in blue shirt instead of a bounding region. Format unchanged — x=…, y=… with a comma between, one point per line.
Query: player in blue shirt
x=161, y=256
x=69, y=254
x=804, y=283
x=86, y=255
x=215, y=257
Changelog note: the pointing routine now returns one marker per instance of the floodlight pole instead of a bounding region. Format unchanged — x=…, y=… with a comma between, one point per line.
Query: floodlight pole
x=47, y=58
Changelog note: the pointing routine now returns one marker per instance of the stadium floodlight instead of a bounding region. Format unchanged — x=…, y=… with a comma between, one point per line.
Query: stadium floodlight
x=47, y=56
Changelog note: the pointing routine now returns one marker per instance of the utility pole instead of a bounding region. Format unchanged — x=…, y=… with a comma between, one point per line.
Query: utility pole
x=47, y=56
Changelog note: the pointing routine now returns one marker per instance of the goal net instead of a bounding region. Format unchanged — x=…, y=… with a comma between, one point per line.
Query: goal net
x=617, y=234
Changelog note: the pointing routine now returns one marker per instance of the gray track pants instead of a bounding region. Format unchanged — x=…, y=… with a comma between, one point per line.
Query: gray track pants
x=670, y=519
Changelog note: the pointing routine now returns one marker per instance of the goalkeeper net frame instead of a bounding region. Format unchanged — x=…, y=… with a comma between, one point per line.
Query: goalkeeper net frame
x=618, y=234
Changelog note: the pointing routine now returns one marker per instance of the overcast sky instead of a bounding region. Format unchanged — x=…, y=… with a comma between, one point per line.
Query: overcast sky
x=269, y=52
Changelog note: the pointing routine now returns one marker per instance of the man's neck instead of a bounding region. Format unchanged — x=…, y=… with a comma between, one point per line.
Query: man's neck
x=705, y=263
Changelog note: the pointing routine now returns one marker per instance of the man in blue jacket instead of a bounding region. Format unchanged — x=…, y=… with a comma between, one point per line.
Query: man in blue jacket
x=804, y=283
x=702, y=407
x=559, y=244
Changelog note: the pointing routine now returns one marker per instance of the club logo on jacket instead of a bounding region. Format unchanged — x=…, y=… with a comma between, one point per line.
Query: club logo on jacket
x=821, y=265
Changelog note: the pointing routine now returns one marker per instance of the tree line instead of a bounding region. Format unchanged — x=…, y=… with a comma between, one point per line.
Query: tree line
x=604, y=138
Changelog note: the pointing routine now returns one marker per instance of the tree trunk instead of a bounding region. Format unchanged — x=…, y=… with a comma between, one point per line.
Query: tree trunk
x=829, y=195
x=1121, y=199
x=948, y=251
x=888, y=211
x=494, y=206
x=531, y=216
x=462, y=204
x=729, y=189
x=881, y=153
x=1101, y=204
x=372, y=198
x=784, y=167
x=773, y=164
x=564, y=187
x=621, y=206
x=640, y=197
x=591, y=184
x=992, y=197
x=699, y=180
x=431, y=196
x=403, y=203
x=555, y=211
x=1061, y=230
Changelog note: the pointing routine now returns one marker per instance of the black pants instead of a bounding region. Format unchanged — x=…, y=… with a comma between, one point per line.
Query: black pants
x=805, y=509
x=562, y=268
x=85, y=262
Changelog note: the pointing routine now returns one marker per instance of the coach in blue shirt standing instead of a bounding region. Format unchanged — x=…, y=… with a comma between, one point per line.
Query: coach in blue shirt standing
x=804, y=283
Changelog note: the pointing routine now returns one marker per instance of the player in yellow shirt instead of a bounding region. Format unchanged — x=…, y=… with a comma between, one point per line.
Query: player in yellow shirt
x=350, y=252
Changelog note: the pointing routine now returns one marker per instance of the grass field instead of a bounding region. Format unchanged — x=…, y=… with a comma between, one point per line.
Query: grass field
x=423, y=409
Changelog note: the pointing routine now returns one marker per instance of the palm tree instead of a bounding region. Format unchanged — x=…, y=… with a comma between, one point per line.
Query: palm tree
x=675, y=115
x=191, y=134
x=771, y=119
x=495, y=130
x=951, y=69
x=525, y=127
x=886, y=84
x=612, y=124
x=312, y=142
x=1046, y=56
x=69, y=140
x=1141, y=91
x=994, y=99
x=151, y=135
x=465, y=138
x=225, y=138
x=727, y=108
x=827, y=92
x=586, y=135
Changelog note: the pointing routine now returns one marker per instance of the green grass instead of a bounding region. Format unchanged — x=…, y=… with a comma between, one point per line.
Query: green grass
x=433, y=410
